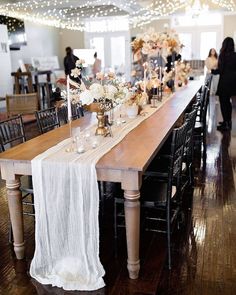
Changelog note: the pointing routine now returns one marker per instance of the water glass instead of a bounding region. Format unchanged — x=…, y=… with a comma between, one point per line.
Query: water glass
x=80, y=144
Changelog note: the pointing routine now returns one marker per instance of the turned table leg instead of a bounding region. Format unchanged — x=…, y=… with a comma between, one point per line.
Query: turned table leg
x=132, y=223
x=16, y=215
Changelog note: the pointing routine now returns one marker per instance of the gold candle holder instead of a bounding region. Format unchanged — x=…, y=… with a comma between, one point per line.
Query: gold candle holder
x=97, y=108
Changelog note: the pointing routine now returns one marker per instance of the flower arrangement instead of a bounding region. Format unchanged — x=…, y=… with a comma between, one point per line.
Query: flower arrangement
x=152, y=42
x=168, y=76
x=137, y=98
x=107, y=89
x=182, y=70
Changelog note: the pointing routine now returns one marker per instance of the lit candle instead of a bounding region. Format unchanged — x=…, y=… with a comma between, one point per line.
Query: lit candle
x=68, y=99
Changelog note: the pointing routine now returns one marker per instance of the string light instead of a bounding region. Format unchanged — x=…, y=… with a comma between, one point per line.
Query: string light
x=71, y=15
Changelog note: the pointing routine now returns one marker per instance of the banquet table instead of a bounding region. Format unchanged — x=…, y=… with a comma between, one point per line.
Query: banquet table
x=125, y=163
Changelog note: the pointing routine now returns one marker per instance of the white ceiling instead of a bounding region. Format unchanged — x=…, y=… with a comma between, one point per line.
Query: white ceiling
x=71, y=13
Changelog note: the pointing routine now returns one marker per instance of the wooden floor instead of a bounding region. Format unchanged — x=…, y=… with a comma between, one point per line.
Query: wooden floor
x=204, y=254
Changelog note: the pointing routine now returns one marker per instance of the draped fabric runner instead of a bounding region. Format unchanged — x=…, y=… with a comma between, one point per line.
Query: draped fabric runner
x=66, y=212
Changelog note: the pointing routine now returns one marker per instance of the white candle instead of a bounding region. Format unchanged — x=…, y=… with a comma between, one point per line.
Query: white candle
x=68, y=99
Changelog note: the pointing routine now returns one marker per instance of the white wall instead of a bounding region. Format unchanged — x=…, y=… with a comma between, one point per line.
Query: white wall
x=74, y=39
x=41, y=41
x=229, y=25
x=5, y=62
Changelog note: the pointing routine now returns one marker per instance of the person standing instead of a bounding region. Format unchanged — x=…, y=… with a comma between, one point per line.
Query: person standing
x=211, y=63
x=227, y=82
x=96, y=65
x=69, y=61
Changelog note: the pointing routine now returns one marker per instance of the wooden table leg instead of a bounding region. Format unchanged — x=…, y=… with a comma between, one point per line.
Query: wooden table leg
x=16, y=215
x=132, y=223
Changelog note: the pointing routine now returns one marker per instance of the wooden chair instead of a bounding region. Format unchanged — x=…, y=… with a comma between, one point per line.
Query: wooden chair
x=47, y=119
x=22, y=104
x=12, y=133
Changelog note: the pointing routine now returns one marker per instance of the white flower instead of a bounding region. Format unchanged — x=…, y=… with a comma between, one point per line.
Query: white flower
x=97, y=90
x=86, y=97
x=111, y=89
x=75, y=72
x=79, y=63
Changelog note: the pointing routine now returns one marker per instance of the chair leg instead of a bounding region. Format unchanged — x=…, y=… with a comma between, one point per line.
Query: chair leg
x=102, y=196
x=10, y=234
x=191, y=174
x=168, y=237
x=115, y=220
x=32, y=200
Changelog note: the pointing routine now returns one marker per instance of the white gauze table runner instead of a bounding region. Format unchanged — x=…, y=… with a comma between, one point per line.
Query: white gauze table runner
x=66, y=212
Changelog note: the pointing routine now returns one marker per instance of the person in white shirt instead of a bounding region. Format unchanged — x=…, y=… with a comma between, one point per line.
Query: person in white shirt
x=211, y=63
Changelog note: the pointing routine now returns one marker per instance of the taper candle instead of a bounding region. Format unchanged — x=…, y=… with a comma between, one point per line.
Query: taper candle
x=68, y=99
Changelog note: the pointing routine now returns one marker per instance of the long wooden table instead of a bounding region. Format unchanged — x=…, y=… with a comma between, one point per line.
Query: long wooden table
x=125, y=163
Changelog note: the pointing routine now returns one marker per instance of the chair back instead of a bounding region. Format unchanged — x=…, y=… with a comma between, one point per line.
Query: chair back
x=190, y=118
x=176, y=156
x=76, y=112
x=22, y=104
x=203, y=103
x=11, y=130
x=47, y=119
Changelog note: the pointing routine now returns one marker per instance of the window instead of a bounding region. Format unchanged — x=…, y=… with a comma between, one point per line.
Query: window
x=97, y=43
x=110, y=37
x=118, y=53
x=207, y=41
x=206, y=33
x=186, y=40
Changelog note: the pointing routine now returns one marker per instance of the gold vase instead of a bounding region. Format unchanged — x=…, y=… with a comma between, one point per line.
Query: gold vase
x=97, y=108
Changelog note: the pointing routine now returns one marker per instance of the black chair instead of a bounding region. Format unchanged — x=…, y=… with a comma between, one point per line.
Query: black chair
x=161, y=191
x=12, y=133
x=187, y=173
x=47, y=119
x=201, y=124
x=76, y=112
x=162, y=196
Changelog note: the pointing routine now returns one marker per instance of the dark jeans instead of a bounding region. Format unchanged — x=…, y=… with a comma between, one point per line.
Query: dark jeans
x=226, y=108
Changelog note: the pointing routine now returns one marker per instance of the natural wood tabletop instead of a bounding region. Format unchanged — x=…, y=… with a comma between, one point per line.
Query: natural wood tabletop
x=134, y=152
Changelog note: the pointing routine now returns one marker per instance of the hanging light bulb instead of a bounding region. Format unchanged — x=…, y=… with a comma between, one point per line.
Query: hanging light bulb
x=65, y=13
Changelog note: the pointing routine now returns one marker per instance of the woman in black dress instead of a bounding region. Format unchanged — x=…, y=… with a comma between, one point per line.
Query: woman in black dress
x=227, y=82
